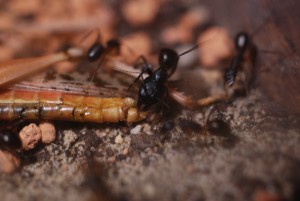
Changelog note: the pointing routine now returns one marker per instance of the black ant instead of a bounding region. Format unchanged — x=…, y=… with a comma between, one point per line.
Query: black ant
x=246, y=50
x=99, y=51
x=154, y=87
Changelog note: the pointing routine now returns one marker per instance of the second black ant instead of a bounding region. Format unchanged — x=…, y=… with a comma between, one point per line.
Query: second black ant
x=245, y=50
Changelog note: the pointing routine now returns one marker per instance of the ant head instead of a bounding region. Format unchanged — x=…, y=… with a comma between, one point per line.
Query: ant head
x=9, y=140
x=95, y=51
x=168, y=58
x=241, y=41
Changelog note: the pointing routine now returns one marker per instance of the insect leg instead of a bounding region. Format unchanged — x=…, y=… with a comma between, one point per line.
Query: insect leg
x=147, y=68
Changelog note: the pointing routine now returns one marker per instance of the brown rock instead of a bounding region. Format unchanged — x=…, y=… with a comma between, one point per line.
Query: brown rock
x=215, y=46
x=30, y=135
x=9, y=163
x=48, y=132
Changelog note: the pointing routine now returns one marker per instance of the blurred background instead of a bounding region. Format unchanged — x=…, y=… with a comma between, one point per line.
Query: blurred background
x=258, y=160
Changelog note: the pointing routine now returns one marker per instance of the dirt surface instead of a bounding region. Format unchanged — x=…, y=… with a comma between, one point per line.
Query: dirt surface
x=253, y=155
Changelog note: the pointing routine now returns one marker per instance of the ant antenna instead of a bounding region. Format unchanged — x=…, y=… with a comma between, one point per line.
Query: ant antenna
x=196, y=46
x=84, y=37
x=191, y=49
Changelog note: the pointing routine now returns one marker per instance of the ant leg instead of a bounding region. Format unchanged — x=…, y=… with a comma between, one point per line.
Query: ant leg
x=204, y=102
x=146, y=69
x=213, y=108
x=94, y=73
x=144, y=63
x=182, y=99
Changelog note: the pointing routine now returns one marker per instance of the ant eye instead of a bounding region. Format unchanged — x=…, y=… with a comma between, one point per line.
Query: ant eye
x=95, y=51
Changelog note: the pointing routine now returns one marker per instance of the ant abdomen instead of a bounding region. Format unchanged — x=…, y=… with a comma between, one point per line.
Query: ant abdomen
x=95, y=52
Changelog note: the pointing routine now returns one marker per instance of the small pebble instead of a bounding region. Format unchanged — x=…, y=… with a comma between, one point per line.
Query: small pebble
x=215, y=46
x=140, y=12
x=119, y=139
x=64, y=67
x=9, y=163
x=125, y=151
x=136, y=130
x=48, y=132
x=147, y=129
x=194, y=17
x=265, y=195
x=135, y=45
x=69, y=138
x=111, y=159
x=30, y=135
x=176, y=34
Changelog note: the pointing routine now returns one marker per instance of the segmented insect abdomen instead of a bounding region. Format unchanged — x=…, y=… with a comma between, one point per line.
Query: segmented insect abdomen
x=45, y=105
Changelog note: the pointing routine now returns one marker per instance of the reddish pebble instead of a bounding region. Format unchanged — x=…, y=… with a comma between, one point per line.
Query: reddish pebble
x=9, y=163
x=30, y=135
x=176, y=34
x=215, y=46
x=135, y=45
x=194, y=17
x=264, y=195
x=64, y=67
x=139, y=12
x=48, y=132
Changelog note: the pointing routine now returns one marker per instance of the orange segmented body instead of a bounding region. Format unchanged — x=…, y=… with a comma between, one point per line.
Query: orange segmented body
x=30, y=105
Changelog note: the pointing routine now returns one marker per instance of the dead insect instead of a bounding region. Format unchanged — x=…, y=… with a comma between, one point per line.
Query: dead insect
x=51, y=105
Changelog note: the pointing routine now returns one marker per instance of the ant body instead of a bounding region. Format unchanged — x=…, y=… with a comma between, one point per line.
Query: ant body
x=154, y=87
x=246, y=50
x=99, y=51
